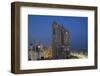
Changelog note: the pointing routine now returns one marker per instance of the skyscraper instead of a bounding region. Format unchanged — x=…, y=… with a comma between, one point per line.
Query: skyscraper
x=60, y=42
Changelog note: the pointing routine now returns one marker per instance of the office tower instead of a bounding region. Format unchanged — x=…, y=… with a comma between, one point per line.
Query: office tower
x=60, y=41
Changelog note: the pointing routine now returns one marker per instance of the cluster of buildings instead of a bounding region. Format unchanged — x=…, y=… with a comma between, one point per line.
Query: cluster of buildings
x=39, y=52
x=60, y=48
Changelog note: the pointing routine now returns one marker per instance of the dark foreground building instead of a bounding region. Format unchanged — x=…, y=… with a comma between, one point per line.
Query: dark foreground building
x=60, y=42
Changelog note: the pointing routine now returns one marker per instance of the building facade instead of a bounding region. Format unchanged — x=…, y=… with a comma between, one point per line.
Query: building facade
x=60, y=42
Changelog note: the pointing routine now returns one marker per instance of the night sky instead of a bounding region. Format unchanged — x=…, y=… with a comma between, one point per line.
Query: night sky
x=40, y=28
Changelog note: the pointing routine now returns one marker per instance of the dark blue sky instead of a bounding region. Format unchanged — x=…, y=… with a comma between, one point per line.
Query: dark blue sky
x=40, y=28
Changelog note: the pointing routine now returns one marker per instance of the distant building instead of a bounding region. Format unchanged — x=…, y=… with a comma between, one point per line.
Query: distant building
x=60, y=41
x=40, y=51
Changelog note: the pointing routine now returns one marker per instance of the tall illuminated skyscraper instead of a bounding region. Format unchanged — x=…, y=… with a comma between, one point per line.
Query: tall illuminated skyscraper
x=60, y=42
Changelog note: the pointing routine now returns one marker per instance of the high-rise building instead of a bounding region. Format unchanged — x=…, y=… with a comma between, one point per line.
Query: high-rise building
x=60, y=42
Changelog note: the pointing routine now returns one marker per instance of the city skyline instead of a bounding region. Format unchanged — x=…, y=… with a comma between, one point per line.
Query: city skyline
x=40, y=28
